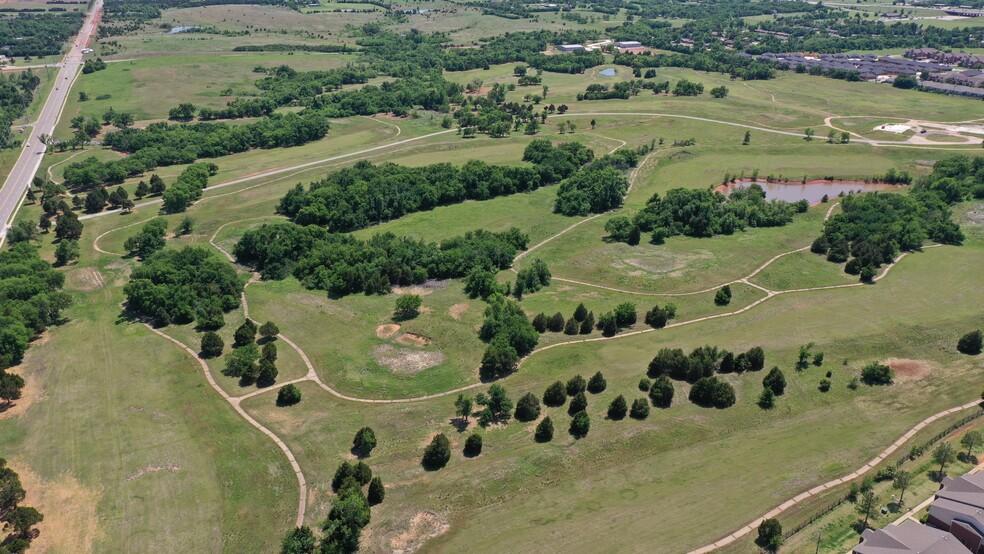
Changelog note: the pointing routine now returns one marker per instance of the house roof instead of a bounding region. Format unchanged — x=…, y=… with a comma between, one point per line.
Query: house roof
x=948, y=510
x=966, y=489
x=909, y=537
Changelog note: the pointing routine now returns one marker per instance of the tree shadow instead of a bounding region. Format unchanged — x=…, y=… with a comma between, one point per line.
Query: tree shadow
x=460, y=425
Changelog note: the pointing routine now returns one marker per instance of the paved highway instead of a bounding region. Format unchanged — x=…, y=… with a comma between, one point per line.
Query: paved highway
x=27, y=164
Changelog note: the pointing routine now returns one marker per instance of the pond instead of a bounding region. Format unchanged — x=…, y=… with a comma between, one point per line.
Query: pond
x=813, y=191
x=183, y=29
x=608, y=72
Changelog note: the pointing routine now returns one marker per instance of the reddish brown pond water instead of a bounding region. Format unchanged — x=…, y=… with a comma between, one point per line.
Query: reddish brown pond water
x=812, y=191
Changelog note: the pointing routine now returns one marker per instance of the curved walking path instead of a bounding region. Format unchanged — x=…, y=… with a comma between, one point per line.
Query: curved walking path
x=751, y=526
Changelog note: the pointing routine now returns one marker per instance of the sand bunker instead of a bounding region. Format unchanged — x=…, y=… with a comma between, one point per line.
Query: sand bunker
x=406, y=360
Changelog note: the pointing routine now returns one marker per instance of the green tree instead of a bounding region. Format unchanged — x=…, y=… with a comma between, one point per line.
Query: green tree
x=971, y=343
x=11, y=385
x=588, y=324
x=266, y=374
x=640, y=409
x=499, y=403
x=407, y=306
x=575, y=385
x=661, y=392
x=66, y=251
x=212, y=345
x=245, y=334
x=463, y=407
x=364, y=442
x=877, y=374
x=362, y=473
x=571, y=327
x=299, y=540
x=438, y=453
x=555, y=395
x=767, y=400
x=269, y=352
x=556, y=323
x=775, y=381
x=866, y=506
x=579, y=402
x=544, y=431
x=580, y=425
x=970, y=441
x=580, y=313
x=597, y=383
x=723, y=296
x=288, y=395
x=618, y=408
x=808, y=134
x=473, y=445
x=143, y=190
x=377, y=492
x=769, y=535
x=900, y=483
x=528, y=407
x=944, y=454
x=269, y=330
x=748, y=138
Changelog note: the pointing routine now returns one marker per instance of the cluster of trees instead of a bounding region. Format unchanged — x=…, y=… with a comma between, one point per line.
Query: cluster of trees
x=31, y=300
x=531, y=279
x=188, y=187
x=622, y=90
x=252, y=360
x=367, y=194
x=598, y=187
x=684, y=87
x=702, y=213
x=581, y=322
x=873, y=228
x=16, y=93
x=240, y=107
x=150, y=239
x=91, y=66
x=356, y=491
x=38, y=34
x=180, y=286
x=18, y=521
x=342, y=264
x=509, y=335
x=704, y=362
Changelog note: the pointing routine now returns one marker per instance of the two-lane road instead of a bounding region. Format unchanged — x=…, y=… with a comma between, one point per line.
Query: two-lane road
x=17, y=182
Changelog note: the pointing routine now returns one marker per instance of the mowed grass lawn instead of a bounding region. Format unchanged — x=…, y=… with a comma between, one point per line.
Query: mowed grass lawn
x=683, y=461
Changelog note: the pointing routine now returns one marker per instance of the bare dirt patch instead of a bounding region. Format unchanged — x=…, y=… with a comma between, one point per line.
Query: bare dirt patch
x=457, y=310
x=31, y=393
x=173, y=468
x=413, y=339
x=909, y=370
x=662, y=263
x=424, y=288
x=423, y=527
x=70, y=523
x=387, y=330
x=86, y=279
x=404, y=360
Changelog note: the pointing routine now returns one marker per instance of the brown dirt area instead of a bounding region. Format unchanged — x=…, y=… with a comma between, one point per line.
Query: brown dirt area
x=387, y=330
x=412, y=339
x=405, y=360
x=909, y=370
x=457, y=310
x=173, y=468
x=31, y=393
x=70, y=522
x=422, y=527
x=480, y=91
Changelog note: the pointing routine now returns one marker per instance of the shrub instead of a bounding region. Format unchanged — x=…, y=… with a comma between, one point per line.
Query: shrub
x=769, y=535
x=245, y=334
x=438, y=453
x=544, y=431
x=710, y=391
x=580, y=425
x=645, y=384
x=597, y=383
x=407, y=306
x=555, y=395
x=971, y=343
x=572, y=327
x=640, y=409
x=473, y=445
x=269, y=330
x=877, y=374
x=212, y=345
x=625, y=314
x=824, y=385
x=723, y=296
x=528, y=407
x=775, y=381
x=767, y=400
x=618, y=408
x=288, y=395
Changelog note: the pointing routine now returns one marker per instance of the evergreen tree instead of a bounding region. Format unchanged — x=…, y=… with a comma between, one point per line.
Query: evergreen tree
x=364, y=442
x=473, y=445
x=661, y=392
x=245, y=334
x=299, y=540
x=580, y=312
x=618, y=408
x=377, y=492
x=528, y=407
x=571, y=327
x=597, y=383
x=580, y=425
x=267, y=374
x=362, y=473
x=438, y=453
x=540, y=323
x=767, y=400
x=775, y=381
x=544, y=431
x=269, y=330
x=288, y=395
x=640, y=409
x=588, y=324
x=575, y=385
x=556, y=323
x=555, y=395
x=971, y=343
x=579, y=402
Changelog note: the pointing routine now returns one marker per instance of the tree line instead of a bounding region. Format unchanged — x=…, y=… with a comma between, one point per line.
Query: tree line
x=16, y=92
x=19, y=521
x=342, y=264
x=367, y=194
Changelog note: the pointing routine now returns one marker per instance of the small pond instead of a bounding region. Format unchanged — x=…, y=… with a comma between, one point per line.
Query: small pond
x=812, y=191
x=608, y=72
